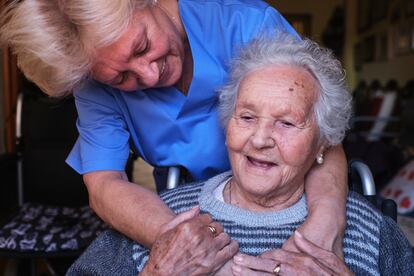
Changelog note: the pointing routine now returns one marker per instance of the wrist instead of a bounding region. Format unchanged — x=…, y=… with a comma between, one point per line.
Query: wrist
x=325, y=226
x=329, y=214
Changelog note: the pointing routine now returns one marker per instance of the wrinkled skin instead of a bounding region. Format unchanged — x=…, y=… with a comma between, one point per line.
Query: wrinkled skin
x=310, y=260
x=184, y=248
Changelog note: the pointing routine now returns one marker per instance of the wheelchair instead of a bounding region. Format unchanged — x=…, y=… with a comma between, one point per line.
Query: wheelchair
x=360, y=180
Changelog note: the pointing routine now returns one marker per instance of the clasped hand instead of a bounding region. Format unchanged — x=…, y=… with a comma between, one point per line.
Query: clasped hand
x=309, y=260
x=191, y=244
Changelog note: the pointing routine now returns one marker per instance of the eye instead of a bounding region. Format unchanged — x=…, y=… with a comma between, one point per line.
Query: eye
x=142, y=50
x=287, y=124
x=247, y=118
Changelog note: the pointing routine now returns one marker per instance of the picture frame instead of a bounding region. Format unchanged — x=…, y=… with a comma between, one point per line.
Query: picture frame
x=379, y=9
x=358, y=59
x=402, y=39
x=363, y=15
x=409, y=8
x=369, y=49
x=382, y=49
x=302, y=23
x=412, y=37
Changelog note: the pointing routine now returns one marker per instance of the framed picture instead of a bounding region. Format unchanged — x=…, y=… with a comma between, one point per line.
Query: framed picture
x=402, y=39
x=409, y=8
x=396, y=13
x=379, y=10
x=412, y=36
x=369, y=49
x=358, y=60
x=302, y=23
x=363, y=15
x=381, y=47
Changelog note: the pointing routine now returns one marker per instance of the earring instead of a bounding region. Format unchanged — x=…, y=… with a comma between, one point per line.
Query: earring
x=319, y=158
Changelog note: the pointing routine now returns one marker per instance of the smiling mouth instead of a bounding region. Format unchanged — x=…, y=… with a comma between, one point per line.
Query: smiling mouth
x=259, y=163
x=162, y=68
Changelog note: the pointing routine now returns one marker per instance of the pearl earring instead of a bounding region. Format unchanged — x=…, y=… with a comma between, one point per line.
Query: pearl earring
x=319, y=158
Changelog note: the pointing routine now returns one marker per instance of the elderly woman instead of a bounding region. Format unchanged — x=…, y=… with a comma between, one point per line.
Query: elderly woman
x=171, y=55
x=285, y=104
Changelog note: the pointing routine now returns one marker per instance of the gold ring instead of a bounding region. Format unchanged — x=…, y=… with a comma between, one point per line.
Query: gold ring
x=276, y=270
x=213, y=230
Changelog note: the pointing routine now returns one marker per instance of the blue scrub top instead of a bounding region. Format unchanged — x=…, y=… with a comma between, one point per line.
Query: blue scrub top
x=167, y=127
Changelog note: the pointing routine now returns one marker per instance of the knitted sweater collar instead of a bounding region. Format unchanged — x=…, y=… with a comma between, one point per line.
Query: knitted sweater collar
x=223, y=211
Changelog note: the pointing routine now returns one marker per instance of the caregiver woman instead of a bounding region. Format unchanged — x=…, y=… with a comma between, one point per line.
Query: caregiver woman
x=171, y=56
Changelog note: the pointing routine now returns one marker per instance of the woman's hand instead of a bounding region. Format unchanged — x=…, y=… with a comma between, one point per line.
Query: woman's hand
x=187, y=246
x=311, y=260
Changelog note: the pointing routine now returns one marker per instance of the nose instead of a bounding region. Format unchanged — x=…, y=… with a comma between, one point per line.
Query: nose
x=146, y=72
x=262, y=137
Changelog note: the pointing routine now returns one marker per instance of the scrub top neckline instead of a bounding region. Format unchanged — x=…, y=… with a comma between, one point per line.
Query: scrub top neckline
x=176, y=104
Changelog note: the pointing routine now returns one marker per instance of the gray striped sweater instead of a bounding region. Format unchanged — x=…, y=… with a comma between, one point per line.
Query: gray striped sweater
x=373, y=244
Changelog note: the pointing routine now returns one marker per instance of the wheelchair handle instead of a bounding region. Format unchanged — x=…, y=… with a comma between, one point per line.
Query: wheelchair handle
x=367, y=180
x=173, y=178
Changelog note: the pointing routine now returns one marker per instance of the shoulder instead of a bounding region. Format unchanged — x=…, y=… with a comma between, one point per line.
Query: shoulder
x=375, y=242
x=247, y=5
x=363, y=219
x=362, y=235
x=91, y=89
x=396, y=254
x=247, y=16
x=102, y=97
x=109, y=254
x=183, y=197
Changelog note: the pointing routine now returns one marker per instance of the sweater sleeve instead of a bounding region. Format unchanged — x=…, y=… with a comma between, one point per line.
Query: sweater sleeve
x=395, y=252
x=109, y=254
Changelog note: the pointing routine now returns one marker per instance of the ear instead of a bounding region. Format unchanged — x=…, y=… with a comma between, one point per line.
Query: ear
x=321, y=149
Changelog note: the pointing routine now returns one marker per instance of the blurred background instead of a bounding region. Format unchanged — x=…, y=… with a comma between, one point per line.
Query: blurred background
x=374, y=39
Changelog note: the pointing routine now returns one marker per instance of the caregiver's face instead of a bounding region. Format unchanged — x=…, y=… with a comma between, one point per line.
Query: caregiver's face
x=272, y=137
x=150, y=53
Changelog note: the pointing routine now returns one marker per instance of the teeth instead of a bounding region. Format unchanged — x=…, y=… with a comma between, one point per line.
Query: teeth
x=261, y=163
x=162, y=68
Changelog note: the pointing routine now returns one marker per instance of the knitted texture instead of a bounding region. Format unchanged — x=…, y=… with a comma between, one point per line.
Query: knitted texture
x=370, y=241
x=373, y=244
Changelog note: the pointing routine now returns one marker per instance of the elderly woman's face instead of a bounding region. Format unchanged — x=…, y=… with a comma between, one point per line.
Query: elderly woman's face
x=272, y=137
x=150, y=53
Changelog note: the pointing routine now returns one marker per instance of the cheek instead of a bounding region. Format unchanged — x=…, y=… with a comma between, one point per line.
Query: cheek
x=297, y=150
x=235, y=138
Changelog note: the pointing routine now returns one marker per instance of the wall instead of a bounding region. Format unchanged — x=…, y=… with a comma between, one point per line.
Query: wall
x=398, y=67
x=394, y=66
x=320, y=16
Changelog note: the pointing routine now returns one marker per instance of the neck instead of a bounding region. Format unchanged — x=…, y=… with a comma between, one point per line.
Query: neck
x=275, y=201
x=170, y=9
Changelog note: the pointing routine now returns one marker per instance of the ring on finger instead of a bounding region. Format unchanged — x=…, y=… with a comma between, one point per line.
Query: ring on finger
x=213, y=230
x=277, y=269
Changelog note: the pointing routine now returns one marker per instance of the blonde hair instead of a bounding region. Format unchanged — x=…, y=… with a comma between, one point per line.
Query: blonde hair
x=55, y=40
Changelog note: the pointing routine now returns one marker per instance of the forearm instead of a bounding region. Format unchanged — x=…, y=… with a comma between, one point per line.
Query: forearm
x=131, y=209
x=327, y=183
x=326, y=191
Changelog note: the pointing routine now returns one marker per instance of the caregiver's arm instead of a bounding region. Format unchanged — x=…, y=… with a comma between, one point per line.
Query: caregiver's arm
x=141, y=215
x=326, y=191
x=131, y=209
